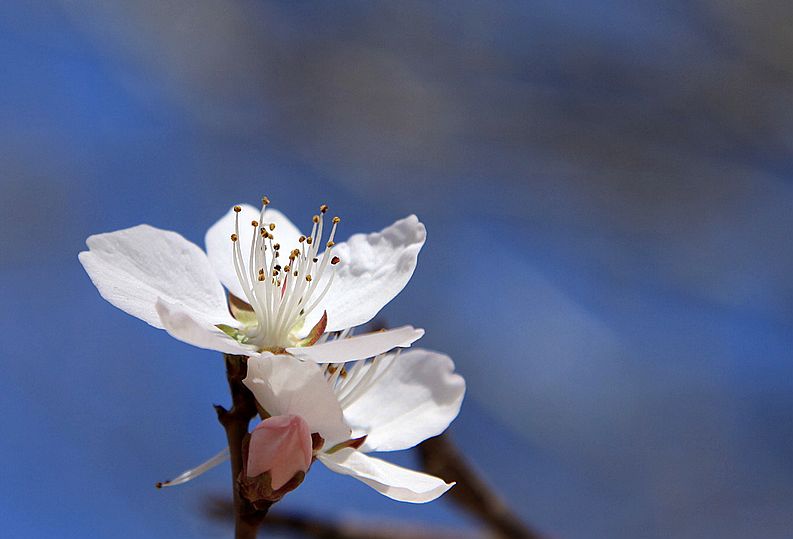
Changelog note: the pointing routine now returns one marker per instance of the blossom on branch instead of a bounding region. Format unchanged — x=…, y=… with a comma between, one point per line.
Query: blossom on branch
x=287, y=291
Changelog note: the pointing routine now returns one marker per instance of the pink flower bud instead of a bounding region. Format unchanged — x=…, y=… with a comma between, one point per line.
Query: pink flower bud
x=280, y=445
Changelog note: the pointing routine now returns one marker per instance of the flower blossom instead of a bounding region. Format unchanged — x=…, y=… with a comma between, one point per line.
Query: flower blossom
x=285, y=295
x=385, y=404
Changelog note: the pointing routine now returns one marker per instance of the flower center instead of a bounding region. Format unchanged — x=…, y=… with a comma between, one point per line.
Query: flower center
x=282, y=290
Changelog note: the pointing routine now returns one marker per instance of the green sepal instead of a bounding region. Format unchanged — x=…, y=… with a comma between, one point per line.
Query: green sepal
x=234, y=333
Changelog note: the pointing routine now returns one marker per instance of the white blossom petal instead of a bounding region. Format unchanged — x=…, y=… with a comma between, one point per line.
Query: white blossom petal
x=396, y=482
x=358, y=347
x=133, y=267
x=284, y=385
x=180, y=324
x=373, y=269
x=219, y=246
x=415, y=398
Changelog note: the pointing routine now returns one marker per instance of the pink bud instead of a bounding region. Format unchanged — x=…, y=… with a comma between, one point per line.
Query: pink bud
x=280, y=445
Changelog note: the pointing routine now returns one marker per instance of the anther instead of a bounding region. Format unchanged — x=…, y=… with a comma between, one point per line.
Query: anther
x=335, y=260
x=261, y=277
x=265, y=201
x=314, y=260
x=308, y=278
x=254, y=224
x=323, y=208
x=233, y=237
x=275, y=273
x=336, y=220
x=301, y=239
x=272, y=226
x=331, y=243
x=237, y=209
x=315, y=219
x=277, y=246
x=287, y=269
x=309, y=240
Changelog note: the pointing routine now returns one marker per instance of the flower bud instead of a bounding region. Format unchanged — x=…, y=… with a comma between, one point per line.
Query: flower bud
x=280, y=445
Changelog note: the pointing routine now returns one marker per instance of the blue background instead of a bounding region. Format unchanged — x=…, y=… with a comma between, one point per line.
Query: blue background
x=607, y=190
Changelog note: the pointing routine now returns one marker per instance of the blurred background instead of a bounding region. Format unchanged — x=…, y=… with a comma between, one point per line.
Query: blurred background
x=608, y=191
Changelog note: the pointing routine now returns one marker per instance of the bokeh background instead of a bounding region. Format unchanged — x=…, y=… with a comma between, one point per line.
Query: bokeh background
x=608, y=190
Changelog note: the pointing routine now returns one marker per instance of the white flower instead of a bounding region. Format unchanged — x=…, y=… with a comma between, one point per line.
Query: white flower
x=291, y=293
x=386, y=404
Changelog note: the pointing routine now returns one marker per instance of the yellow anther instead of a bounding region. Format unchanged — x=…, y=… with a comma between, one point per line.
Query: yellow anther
x=309, y=240
x=308, y=278
x=277, y=246
x=233, y=237
x=265, y=201
x=254, y=224
x=315, y=219
x=323, y=208
x=275, y=273
x=237, y=209
x=336, y=220
x=331, y=243
x=272, y=226
x=287, y=269
x=301, y=239
x=261, y=277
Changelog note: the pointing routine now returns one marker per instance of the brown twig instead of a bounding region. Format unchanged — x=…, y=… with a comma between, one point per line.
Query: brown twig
x=441, y=457
x=326, y=529
x=235, y=421
x=218, y=509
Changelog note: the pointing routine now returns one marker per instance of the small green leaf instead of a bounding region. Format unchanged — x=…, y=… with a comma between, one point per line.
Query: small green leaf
x=232, y=332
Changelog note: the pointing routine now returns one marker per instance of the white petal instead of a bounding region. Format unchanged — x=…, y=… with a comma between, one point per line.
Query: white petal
x=415, y=398
x=359, y=347
x=394, y=481
x=180, y=324
x=284, y=385
x=218, y=241
x=131, y=268
x=374, y=268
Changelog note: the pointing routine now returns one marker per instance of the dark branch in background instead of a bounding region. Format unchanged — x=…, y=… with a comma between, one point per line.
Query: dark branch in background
x=440, y=457
x=246, y=517
x=218, y=508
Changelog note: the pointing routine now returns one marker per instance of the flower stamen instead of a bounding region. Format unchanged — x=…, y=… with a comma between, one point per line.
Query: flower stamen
x=281, y=303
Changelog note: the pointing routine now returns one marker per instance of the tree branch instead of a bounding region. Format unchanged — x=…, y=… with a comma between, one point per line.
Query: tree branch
x=235, y=421
x=441, y=457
